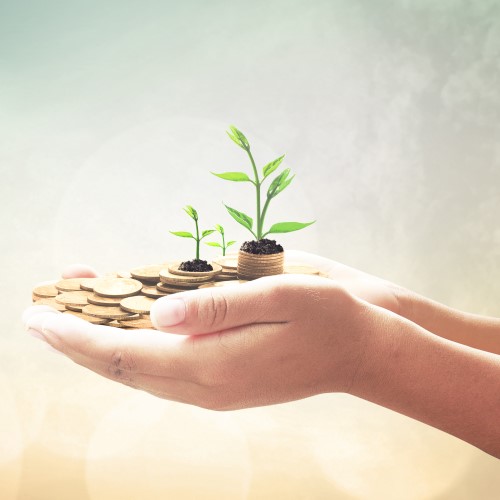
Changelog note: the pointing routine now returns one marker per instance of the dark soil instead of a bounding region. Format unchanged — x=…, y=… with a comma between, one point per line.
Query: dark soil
x=261, y=247
x=195, y=266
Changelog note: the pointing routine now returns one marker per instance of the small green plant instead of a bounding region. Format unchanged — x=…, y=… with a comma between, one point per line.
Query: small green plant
x=184, y=234
x=277, y=186
x=224, y=245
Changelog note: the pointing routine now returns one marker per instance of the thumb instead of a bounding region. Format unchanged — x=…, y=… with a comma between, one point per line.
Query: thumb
x=215, y=309
x=79, y=271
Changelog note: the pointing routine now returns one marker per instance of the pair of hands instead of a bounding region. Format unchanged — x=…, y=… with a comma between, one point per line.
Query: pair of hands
x=273, y=340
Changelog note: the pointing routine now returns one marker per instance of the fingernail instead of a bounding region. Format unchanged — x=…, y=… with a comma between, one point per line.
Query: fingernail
x=168, y=312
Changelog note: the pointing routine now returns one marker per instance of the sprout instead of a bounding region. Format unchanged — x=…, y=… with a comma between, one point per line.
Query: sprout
x=277, y=186
x=184, y=234
x=224, y=245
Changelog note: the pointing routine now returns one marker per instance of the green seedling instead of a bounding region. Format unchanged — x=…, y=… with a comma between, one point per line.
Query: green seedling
x=184, y=234
x=277, y=186
x=224, y=245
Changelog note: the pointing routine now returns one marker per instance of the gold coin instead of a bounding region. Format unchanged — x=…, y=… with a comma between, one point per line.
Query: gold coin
x=117, y=287
x=73, y=298
x=97, y=300
x=226, y=270
x=137, y=323
x=69, y=285
x=105, y=312
x=178, y=287
x=299, y=269
x=174, y=279
x=169, y=289
x=223, y=283
x=226, y=277
x=115, y=323
x=91, y=319
x=174, y=269
x=88, y=283
x=148, y=273
x=51, y=302
x=45, y=291
x=123, y=274
x=228, y=262
x=138, y=304
x=131, y=317
x=152, y=292
x=77, y=308
x=166, y=288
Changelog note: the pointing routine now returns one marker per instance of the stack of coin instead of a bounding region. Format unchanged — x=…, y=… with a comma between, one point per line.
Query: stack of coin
x=173, y=280
x=124, y=299
x=252, y=266
x=105, y=301
x=229, y=266
x=45, y=295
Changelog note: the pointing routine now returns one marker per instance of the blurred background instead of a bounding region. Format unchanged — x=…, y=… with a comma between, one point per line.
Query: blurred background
x=112, y=116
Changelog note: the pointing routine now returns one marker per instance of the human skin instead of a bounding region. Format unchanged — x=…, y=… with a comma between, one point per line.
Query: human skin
x=284, y=338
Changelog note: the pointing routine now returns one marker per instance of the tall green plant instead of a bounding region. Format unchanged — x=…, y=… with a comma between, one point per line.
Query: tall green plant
x=277, y=186
x=184, y=234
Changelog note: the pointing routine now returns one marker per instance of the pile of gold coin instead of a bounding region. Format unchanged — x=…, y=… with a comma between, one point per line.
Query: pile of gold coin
x=124, y=299
x=252, y=266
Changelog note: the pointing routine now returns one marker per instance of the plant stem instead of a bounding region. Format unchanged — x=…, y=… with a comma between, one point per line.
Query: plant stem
x=257, y=187
x=264, y=211
x=223, y=245
x=197, y=240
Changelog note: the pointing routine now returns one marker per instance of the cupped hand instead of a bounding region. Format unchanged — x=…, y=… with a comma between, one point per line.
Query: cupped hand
x=269, y=341
x=365, y=286
x=372, y=289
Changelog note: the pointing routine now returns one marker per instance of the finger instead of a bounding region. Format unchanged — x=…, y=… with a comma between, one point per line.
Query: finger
x=79, y=271
x=210, y=310
x=139, y=351
x=116, y=365
x=331, y=268
x=164, y=387
x=309, y=259
x=31, y=311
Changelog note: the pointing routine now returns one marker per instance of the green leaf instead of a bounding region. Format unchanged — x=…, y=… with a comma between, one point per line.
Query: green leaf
x=238, y=137
x=272, y=166
x=239, y=134
x=283, y=185
x=219, y=228
x=288, y=227
x=280, y=179
x=240, y=217
x=213, y=244
x=182, y=234
x=229, y=243
x=191, y=212
x=233, y=176
x=207, y=232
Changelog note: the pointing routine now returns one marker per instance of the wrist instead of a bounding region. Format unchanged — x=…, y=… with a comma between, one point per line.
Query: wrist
x=378, y=343
x=447, y=322
x=366, y=345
